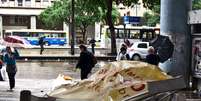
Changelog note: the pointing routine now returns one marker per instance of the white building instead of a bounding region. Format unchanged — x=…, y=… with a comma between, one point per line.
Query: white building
x=21, y=14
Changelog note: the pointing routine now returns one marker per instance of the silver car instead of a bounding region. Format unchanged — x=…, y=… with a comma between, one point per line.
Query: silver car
x=138, y=50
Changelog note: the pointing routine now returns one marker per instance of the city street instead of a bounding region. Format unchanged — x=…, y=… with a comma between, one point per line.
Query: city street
x=37, y=77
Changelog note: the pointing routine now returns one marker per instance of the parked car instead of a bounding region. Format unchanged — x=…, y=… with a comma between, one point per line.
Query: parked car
x=138, y=50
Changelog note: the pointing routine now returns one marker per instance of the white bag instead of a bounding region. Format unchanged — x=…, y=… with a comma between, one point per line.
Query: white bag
x=4, y=73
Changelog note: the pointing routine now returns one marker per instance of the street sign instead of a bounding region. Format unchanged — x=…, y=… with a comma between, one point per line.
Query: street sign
x=131, y=20
x=134, y=20
x=126, y=19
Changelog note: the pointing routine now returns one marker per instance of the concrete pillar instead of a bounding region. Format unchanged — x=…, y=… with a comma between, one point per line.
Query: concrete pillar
x=66, y=29
x=97, y=31
x=16, y=3
x=33, y=22
x=23, y=3
x=33, y=3
x=174, y=16
x=49, y=2
x=1, y=27
x=41, y=3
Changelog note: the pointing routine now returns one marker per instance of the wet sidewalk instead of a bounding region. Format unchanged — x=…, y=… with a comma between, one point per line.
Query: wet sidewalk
x=61, y=54
x=38, y=77
x=60, y=51
x=38, y=87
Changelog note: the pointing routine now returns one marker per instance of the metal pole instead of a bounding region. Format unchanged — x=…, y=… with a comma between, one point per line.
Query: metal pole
x=125, y=32
x=72, y=29
x=174, y=16
x=25, y=95
x=136, y=9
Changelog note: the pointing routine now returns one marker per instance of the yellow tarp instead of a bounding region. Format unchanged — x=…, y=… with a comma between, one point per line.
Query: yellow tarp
x=113, y=82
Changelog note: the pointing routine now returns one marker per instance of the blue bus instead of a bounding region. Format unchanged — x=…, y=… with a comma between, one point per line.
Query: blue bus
x=52, y=37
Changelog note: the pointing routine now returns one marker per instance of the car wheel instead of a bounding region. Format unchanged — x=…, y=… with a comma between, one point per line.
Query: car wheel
x=136, y=57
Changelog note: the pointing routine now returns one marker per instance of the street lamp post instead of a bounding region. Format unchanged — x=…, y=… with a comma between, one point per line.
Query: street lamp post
x=72, y=29
x=124, y=29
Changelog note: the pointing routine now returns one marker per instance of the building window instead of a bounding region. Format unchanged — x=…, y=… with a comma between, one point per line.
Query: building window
x=12, y=20
x=11, y=0
x=19, y=2
x=3, y=1
x=27, y=0
x=18, y=20
x=38, y=0
x=45, y=0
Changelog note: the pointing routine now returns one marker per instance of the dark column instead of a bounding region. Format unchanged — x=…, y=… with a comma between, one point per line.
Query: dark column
x=174, y=16
x=25, y=95
x=73, y=29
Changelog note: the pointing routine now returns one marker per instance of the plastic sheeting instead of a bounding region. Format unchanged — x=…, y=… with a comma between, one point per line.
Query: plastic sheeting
x=113, y=82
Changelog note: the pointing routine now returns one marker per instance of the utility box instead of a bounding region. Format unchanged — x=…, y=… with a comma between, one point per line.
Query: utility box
x=195, y=22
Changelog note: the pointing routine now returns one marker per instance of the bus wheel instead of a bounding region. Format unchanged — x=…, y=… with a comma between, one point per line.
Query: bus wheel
x=136, y=57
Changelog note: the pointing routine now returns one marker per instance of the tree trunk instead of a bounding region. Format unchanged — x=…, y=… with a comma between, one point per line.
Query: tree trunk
x=111, y=27
x=84, y=35
x=72, y=28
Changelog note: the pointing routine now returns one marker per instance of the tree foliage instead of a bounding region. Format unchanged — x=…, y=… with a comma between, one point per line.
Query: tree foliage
x=108, y=4
x=196, y=4
x=85, y=14
x=152, y=18
x=86, y=10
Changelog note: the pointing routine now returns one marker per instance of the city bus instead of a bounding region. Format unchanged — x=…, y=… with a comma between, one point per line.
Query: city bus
x=132, y=33
x=52, y=37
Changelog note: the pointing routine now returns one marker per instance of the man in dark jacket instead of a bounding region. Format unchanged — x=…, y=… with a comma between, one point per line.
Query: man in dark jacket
x=152, y=57
x=41, y=43
x=92, y=42
x=85, y=62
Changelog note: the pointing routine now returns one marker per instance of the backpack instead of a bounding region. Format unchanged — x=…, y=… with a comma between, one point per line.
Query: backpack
x=94, y=60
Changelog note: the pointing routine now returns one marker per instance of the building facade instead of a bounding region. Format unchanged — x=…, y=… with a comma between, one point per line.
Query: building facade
x=21, y=14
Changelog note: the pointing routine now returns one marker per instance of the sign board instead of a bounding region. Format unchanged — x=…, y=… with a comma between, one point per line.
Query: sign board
x=131, y=20
x=134, y=20
x=126, y=19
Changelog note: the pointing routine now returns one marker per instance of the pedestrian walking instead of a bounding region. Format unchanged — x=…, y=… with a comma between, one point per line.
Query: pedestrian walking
x=41, y=43
x=152, y=57
x=122, y=53
x=11, y=68
x=127, y=43
x=85, y=62
x=1, y=65
x=92, y=42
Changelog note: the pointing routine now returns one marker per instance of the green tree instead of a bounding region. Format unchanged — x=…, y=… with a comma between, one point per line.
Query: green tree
x=86, y=14
x=152, y=17
x=196, y=4
x=60, y=12
x=108, y=4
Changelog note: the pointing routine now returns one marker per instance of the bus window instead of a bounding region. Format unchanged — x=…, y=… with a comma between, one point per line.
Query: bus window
x=33, y=34
x=21, y=34
x=134, y=34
